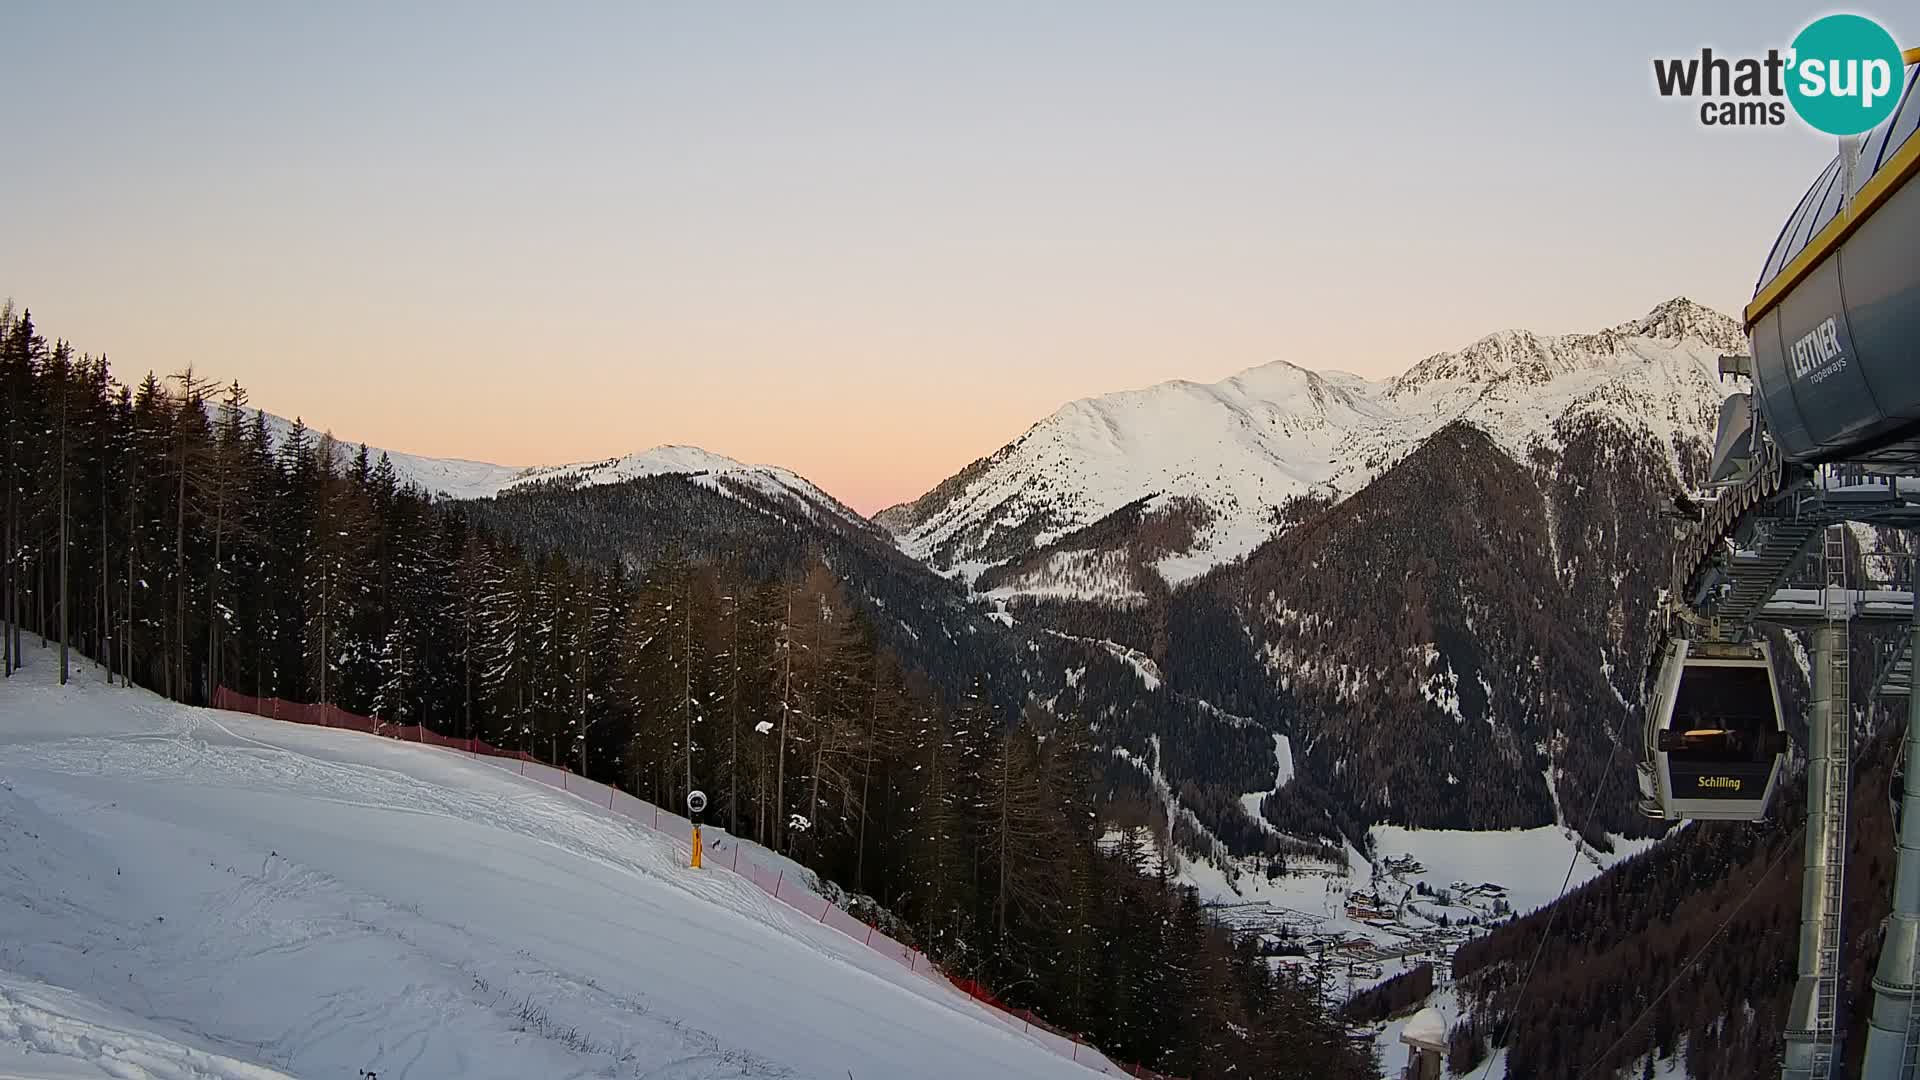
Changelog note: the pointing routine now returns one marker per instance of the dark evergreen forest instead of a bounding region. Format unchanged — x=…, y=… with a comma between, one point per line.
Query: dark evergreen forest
x=163, y=532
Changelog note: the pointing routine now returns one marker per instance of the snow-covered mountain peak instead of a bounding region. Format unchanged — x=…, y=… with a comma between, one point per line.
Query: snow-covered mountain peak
x=659, y=461
x=1282, y=387
x=1278, y=398
x=717, y=471
x=1233, y=452
x=1504, y=354
x=1680, y=319
x=455, y=478
x=1527, y=358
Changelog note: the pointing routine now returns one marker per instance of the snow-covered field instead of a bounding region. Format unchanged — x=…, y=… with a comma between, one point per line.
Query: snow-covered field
x=185, y=893
x=1530, y=863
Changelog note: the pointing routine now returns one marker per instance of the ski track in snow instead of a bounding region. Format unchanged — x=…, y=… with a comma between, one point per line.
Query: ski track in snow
x=320, y=902
x=53, y=1034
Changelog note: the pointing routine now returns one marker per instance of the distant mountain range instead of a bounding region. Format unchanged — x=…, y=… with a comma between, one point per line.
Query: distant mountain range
x=1222, y=459
x=1430, y=584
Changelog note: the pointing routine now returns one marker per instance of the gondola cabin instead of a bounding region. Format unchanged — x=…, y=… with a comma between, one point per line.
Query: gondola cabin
x=1715, y=740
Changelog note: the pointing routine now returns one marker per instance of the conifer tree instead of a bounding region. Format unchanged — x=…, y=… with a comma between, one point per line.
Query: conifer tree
x=192, y=551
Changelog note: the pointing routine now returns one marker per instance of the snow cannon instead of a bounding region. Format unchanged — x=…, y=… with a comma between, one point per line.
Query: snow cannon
x=696, y=803
x=1715, y=741
x=1835, y=318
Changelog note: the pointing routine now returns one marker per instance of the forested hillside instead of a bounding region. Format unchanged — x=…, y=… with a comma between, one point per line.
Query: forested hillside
x=1613, y=982
x=638, y=524
x=1418, y=638
x=150, y=527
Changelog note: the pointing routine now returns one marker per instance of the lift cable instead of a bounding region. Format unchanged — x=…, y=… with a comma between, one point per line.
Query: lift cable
x=1553, y=913
x=1785, y=849
x=1553, y=909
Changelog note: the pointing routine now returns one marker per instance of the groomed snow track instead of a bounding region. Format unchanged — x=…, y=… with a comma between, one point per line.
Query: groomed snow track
x=263, y=896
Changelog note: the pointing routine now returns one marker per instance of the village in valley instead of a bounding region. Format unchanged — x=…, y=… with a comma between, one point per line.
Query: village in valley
x=1356, y=932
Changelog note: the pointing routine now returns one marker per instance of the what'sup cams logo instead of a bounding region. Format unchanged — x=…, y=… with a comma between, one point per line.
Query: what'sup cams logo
x=1842, y=75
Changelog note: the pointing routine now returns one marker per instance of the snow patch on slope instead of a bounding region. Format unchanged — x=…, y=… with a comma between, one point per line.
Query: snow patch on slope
x=1283, y=773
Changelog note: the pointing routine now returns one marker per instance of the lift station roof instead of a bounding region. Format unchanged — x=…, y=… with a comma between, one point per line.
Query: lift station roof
x=1835, y=319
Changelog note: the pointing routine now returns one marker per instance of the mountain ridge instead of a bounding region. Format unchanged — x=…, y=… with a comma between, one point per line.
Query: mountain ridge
x=1306, y=433
x=1187, y=565
x=1240, y=449
x=463, y=478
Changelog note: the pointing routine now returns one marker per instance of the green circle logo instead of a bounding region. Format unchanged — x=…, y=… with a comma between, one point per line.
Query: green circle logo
x=1845, y=75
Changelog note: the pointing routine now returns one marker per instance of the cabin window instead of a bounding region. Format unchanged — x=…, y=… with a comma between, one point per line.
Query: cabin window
x=1724, y=714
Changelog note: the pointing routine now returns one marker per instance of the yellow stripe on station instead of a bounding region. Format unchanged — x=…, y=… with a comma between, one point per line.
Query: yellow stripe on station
x=1891, y=177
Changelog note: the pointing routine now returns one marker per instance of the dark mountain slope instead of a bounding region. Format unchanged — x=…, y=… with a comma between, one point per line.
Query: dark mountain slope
x=1625, y=936
x=918, y=614
x=1431, y=655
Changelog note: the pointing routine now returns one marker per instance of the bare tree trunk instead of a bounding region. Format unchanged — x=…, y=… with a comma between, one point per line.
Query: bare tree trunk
x=6, y=582
x=19, y=603
x=466, y=662
x=6, y=548
x=813, y=789
x=126, y=639
x=177, y=654
x=760, y=805
x=1006, y=789
x=866, y=776
x=686, y=672
x=213, y=585
x=733, y=718
x=64, y=619
x=106, y=589
x=326, y=587
x=786, y=708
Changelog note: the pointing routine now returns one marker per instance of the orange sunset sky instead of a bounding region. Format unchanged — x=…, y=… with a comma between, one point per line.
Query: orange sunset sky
x=869, y=242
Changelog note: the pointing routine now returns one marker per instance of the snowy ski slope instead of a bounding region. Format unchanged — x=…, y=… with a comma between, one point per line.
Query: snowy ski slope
x=189, y=893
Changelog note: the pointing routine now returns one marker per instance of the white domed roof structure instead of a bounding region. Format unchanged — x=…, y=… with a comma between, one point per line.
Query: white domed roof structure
x=1427, y=1030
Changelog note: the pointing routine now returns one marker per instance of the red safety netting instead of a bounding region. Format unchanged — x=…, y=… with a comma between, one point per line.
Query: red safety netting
x=724, y=854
